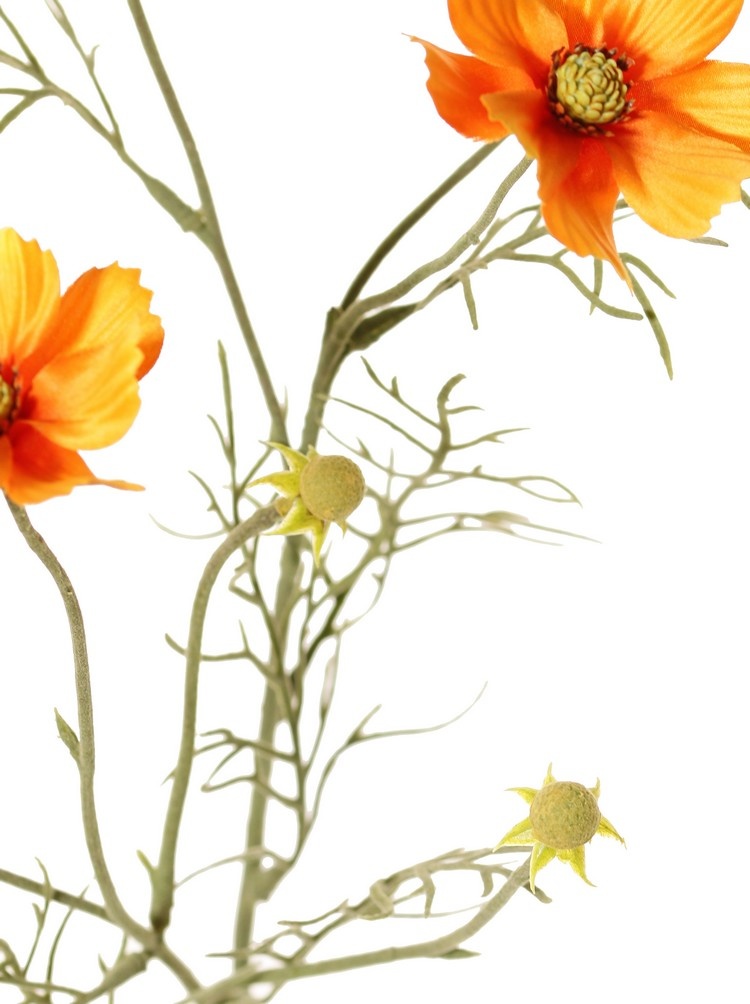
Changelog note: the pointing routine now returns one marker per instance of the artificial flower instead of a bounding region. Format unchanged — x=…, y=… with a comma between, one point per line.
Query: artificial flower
x=315, y=492
x=563, y=817
x=69, y=368
x=609, y=97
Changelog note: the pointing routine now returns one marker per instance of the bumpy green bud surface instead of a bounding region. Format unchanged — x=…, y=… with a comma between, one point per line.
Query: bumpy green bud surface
x=564, y=815
x=331, y=487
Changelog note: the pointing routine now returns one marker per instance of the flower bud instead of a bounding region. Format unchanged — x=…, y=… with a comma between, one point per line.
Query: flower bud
x=564, y=815
x=331, y=487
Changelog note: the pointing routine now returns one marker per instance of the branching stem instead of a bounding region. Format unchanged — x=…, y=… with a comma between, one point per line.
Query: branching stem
x=435, y=948
x=340, y=330
x=411, y=219
x=208, y=210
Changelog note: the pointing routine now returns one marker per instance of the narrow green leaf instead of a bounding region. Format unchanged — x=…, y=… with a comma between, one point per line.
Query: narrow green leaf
x=471, y=305
x=68, y=736
x=146, y=863
x=653, y=320
x=369, y=330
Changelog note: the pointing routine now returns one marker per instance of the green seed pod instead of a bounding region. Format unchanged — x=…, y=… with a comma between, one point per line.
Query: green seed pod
x=564, y=815
x=331, y=487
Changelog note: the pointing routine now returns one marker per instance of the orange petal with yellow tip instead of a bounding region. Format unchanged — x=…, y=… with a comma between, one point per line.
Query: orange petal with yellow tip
x=69, y=367
x=675, y=178
x=663, y=36
x=86, y=396
x=29, y=297
x=109, y=305
x=712, y=98
x=510, y=33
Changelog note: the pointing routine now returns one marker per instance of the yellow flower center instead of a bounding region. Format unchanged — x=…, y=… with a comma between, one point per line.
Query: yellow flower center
x=564, y=815
x=331, y=487
x=587, y=90
x=8, y=403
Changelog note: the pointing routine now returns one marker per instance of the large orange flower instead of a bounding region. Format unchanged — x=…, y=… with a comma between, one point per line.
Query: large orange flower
x=609, y=96
x=69, y=368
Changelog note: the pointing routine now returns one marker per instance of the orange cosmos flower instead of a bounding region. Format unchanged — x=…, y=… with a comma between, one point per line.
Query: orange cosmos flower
x=609, y=97
x=69, y=368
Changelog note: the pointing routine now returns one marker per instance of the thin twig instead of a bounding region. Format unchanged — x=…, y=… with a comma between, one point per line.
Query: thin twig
x=435, y=948
x=85, y=757
x=163, y=876
x=388, y=243
x=208, y=210
x=342, y=327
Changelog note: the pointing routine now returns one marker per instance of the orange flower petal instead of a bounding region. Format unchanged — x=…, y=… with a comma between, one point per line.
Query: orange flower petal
x=32, y=469
x=576, y=181
x=87, y=395
x=525, y=113
x=509, y=33
x=6, y=461
x=108, y=305
x=29, y=297
x=712, y=97
x=456, y=85
x=87, y=400
x=679, y=156
x=667, y=35
x=675, y=178
x=578, y=208
x=585, y=20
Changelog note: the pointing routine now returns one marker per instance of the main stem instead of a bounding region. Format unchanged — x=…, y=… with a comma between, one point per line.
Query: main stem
x=248, y=899
x=252, y=882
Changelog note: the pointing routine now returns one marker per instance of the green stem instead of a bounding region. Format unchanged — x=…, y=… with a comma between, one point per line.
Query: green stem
x=33, y=62
x=86, y=755
x=208, y=209
x=163, y=875
x=253, y=880
x=250, y=892
x=123, y=971
x=88, y=61
x=254, y=885
x=436, y=948
x=86, y=749
x=340, y=330
x=411, y=219
x=54, y=895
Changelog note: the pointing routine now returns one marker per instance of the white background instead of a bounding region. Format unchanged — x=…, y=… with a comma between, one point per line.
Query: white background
x=624, y=659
